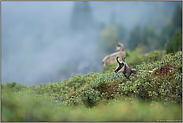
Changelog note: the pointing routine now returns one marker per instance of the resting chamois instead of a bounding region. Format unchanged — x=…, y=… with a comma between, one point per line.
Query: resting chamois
x=112, y=57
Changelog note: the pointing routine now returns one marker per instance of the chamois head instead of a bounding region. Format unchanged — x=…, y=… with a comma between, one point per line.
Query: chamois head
x=120, y=47
x=124, y=68
x=120, y=65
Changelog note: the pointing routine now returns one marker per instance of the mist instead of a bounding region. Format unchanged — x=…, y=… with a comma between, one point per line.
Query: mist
x=49, y=41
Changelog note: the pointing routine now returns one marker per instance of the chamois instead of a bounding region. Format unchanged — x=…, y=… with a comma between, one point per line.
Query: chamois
x=124, y=68
x=112, y=57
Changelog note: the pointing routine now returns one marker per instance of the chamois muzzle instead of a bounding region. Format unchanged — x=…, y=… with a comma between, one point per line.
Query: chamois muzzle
x=120, y=65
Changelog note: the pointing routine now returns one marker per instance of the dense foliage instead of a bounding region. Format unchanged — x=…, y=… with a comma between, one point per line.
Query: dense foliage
x=104, y=96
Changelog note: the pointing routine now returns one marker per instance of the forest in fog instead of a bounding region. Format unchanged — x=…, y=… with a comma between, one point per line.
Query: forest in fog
x=45, y=41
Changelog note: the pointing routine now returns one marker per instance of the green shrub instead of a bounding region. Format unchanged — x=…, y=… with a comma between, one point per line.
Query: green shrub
x=92, y=97
x=19, y=107
x=13, y=86
x=26, y=107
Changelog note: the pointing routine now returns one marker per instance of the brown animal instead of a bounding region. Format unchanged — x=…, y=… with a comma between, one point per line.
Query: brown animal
x=124, y=68
x=112, y=57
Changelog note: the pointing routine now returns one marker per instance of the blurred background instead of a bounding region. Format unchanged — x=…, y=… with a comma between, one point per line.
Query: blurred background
x=44, y=41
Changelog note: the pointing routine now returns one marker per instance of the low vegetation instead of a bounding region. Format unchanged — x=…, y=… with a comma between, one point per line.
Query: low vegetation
x=103, y=96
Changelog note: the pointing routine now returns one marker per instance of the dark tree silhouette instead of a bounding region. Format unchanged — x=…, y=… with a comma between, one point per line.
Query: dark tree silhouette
x=177, y=17
x=135, y=38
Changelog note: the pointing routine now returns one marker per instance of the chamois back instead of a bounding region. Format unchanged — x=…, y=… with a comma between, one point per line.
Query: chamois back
x=112, y=57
